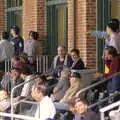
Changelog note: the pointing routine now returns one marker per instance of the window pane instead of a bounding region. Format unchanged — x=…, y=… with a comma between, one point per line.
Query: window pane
x=115, y=8
x=14, y=15
x=14, y=3
x=61, y=26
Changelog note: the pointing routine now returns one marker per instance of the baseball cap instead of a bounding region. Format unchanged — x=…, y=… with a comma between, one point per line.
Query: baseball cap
x=75, y=74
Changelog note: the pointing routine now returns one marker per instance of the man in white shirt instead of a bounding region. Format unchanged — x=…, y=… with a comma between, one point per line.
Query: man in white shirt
x=46, y=108
x=6, y=48
x=114, y=114
x=26, y=75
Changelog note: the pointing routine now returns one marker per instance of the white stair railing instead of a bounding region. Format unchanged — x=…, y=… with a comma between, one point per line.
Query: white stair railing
x=107, y=108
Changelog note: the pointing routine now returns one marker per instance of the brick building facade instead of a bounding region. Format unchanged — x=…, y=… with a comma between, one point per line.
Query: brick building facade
x=80, y=27
x=81, y=21
x=2, y=17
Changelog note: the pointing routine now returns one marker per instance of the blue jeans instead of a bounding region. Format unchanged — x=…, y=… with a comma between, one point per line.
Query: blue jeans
x=113, y=84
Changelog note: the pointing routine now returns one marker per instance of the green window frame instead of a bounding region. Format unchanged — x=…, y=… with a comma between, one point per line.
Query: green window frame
x=52, y=35
x=13, y=12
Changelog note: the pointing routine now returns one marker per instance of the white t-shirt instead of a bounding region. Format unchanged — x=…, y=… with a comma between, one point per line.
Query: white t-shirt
x=27, y=87
x=45, y=110
x=6, y=49
x=114, y=115
x=115, y=41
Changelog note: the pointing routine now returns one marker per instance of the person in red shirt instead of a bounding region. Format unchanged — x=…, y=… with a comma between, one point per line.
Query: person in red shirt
x=113, y=74
x=17, y=63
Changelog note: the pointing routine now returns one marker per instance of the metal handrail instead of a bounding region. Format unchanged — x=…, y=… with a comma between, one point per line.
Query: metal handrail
x=23, y=117
x=13, y=90
x=110, y=106
x=42, y=63
x=94, y=85
x=103, y=100
x=107, y=108
x=79, y=92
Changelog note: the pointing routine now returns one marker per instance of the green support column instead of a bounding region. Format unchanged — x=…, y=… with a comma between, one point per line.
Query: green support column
x=102, y=20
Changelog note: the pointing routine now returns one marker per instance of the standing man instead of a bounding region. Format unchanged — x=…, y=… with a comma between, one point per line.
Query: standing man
x=17, y=40
x=6, y=49
x=30, y=46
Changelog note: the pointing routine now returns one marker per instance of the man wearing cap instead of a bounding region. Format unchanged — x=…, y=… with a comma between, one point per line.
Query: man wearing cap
x=75, y=85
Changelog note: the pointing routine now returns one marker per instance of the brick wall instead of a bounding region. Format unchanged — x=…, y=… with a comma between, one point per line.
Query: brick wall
x=85, y=22
x=29, y=17
x=90, y=26
x=2, y=16
x=71, y=23
x=33, y=19
x=79, y=26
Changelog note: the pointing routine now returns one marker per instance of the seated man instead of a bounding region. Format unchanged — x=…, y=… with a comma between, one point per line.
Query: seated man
x=60, y=61
x=62, y=86
x=78, y=64
x=11, y=80
x=40, y=80
x=17, y=63
x=46, y=108
x=75, y=85
x=82, y=112
x=26, y=76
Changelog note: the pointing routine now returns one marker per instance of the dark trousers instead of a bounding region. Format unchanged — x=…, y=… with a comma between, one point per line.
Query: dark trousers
x=2, y=66
x=113, y=84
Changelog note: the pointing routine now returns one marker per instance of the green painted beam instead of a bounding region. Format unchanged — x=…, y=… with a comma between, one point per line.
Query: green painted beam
x=56, y=2
x=102, y=20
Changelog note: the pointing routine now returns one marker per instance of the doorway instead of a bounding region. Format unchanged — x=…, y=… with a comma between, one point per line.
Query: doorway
x=56, y=26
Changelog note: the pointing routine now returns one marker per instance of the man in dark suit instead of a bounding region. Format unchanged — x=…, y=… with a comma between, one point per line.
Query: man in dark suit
x=78, y=64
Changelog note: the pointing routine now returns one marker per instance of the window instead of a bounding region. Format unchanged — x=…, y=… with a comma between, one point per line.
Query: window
x=14, y=3
x=13, y=13
x=115, y=8
x=56, y=25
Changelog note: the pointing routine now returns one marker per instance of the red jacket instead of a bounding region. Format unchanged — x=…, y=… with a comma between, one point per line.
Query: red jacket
x=114, y=67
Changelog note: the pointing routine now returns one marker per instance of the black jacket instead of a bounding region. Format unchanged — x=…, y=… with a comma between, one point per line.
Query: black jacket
x=79, y=65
